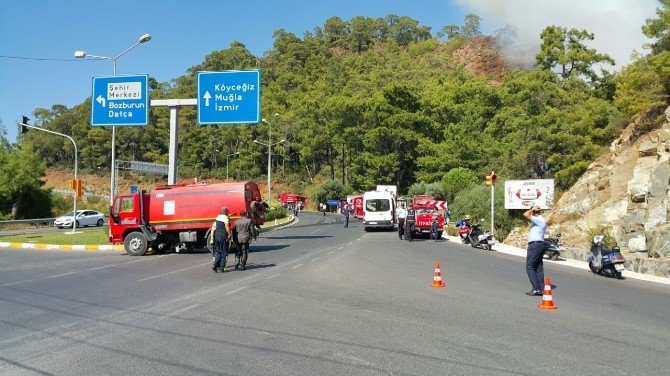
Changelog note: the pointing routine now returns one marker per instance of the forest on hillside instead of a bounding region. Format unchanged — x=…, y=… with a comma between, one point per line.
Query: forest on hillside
x=371, y=101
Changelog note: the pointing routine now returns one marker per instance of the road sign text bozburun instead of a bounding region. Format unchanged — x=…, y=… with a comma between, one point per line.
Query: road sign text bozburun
x=120, y=100
x=229, y=97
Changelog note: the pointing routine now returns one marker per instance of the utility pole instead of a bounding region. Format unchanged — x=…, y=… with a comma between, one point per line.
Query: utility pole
x=491, y=181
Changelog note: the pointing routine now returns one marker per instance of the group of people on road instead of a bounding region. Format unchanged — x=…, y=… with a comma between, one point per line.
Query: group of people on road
x=224, y=237
x=407, y=221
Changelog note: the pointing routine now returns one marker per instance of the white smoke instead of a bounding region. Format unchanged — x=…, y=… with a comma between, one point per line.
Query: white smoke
x=616, y=24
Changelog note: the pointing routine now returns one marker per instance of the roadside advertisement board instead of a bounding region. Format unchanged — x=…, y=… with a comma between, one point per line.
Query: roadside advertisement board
x=523, y=194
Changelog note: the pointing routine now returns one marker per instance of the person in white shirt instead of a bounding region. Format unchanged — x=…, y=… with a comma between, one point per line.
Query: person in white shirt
x=221, y=233
x=402, y=214
x=534, y=265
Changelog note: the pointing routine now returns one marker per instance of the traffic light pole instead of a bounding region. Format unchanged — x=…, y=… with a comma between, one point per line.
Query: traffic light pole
x=74, y=211
x=492, y=201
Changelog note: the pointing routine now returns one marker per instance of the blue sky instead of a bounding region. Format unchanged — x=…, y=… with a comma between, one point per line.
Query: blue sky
x=182, y=34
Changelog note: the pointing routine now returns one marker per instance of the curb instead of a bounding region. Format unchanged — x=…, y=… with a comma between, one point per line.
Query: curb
x=515, y=251
x=63, y=247
x=107, y=247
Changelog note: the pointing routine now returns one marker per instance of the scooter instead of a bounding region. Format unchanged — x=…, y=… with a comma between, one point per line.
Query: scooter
x=481, y=239
x=604, y=260
x=463, y=233
x=551, y=247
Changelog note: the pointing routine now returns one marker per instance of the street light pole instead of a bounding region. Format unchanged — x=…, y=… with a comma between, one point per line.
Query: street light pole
x=74, y=211
x=81, y=54
x=269, y=145
x=229, y=155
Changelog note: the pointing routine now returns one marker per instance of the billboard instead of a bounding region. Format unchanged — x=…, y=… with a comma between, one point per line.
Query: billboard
x=523, y=194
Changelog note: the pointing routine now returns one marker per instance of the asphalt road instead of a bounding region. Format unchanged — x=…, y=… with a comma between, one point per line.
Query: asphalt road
x=319, y=299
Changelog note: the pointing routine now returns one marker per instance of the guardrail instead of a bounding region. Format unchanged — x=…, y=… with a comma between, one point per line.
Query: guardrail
x=38, y=221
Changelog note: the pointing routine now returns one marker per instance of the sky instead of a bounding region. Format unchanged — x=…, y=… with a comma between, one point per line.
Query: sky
x=183, y=33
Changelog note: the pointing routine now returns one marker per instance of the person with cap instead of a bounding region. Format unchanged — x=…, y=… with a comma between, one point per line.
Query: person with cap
x=402, y=215
x=246, y=233
x=220, y=235
x=534, y=264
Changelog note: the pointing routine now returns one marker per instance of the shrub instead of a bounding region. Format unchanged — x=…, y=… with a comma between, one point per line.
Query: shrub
x=275, y=212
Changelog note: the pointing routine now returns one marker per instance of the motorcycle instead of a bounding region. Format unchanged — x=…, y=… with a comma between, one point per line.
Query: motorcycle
x=605, y=260
x=551, y=247
x=463, y=233
x=481, y=239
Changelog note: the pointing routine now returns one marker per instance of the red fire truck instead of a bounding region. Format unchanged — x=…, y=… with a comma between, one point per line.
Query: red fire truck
x=290, y=200
x=179, y=215
x=424, y=215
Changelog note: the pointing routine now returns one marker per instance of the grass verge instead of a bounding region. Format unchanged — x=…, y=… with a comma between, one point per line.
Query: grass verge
x=98, y=236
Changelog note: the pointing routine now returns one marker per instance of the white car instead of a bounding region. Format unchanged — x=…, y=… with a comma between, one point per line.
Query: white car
x=84, y=218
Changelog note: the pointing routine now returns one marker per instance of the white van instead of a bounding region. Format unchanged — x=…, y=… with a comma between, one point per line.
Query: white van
x=378, y=210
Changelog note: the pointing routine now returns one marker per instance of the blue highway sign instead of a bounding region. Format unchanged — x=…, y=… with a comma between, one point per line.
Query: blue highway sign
x=120, y=100
x=333, y=202
x=229, y=97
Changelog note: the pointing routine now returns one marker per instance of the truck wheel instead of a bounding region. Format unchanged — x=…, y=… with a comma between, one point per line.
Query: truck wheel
x=135, y=244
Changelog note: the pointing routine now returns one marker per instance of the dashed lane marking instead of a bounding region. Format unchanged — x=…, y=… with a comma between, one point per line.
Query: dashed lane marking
x=238, y=290
x=103, y=267
x=59, y=275
x=272, y=276
x=173, y=272
x=142, y=259
x=314, y=259
x=16, y=283
x=175, y=313
x=297, y=266
x=331, y=252
x=315, y=231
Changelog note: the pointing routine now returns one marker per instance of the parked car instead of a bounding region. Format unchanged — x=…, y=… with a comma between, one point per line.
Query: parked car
x=84, y=218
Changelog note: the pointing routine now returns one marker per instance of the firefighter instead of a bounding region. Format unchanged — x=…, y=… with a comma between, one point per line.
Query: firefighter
x=409, y=224
x=221, y=233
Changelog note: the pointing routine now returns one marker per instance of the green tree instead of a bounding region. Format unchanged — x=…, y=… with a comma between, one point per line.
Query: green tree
x=566, y=50
x=659, y=28
x=457, y=180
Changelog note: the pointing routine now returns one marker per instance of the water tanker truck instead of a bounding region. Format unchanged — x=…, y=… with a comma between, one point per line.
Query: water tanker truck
x=179, y=215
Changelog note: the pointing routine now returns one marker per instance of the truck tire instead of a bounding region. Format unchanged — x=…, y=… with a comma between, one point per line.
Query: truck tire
x=135, y=243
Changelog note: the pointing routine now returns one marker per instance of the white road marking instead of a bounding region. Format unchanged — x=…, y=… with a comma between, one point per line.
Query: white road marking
x=272, y=276
x=162, y=256
x=58, y=275
x=331, y=252
x=238, y=290
x=314, y=259
x=173, y=272
x=175, y=313
x=350, y=244
x=341, y=247
x=16, y=283
x=297, y=266
x=102, y=267
x=142, y=259
x=317, y=230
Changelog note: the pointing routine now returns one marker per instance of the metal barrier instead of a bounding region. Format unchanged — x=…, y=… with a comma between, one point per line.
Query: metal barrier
x=38, y=221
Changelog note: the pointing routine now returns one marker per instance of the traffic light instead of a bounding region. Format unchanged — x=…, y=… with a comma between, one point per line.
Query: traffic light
x=24, y=120
x=491, y=179
x=79, y=188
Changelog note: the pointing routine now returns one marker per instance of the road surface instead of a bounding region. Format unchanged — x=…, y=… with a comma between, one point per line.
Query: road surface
x=319, y=299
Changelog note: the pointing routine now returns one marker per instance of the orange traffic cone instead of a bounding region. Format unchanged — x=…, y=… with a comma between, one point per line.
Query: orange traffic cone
x=547, y=298
x=437, y=276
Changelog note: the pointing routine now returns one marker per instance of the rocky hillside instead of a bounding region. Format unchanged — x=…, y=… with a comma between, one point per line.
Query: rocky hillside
x=626, y=190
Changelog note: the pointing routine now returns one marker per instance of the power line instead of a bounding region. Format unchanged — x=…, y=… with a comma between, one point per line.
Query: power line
x=35, y=58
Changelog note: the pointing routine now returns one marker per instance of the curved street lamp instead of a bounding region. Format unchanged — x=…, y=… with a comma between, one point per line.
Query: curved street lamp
x=229, y=155
x=82, y=54
x=269, y=145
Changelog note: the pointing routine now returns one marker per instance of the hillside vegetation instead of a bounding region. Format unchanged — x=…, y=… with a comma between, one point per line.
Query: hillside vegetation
x=372, y=101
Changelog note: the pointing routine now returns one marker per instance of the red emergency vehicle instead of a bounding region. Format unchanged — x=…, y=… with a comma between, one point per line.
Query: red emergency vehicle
x=357, y=204
x=179, y=215
x=424, y=215
x=290, y=200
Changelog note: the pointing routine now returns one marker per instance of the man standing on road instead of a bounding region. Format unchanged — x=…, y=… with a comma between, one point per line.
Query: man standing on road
x=345, y=211
x=534, y=265
x=246, y=232
x=221, y=233
x=402, y=214
x=433, y=227
x=409, y=224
